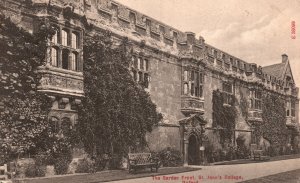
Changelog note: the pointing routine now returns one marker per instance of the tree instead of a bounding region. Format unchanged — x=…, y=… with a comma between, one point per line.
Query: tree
x=23, y=110
x=116, y=112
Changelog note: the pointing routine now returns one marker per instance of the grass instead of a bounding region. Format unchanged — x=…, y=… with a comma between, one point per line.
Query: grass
x=244, y=161
x=105, y=176
x=286, y=177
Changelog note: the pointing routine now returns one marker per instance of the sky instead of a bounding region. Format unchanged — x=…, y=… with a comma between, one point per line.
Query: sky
x=256, y=31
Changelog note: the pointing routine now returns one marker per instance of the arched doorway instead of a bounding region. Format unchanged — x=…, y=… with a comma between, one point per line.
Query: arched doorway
x=193, y=151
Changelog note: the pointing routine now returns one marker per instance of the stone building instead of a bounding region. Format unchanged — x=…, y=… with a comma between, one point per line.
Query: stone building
x=182, y=72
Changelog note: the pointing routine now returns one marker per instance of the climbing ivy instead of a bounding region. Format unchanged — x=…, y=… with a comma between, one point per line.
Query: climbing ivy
x=116, y=112
x=24, y=110
x=224, y=116
x=244, y=106
x=273, y=127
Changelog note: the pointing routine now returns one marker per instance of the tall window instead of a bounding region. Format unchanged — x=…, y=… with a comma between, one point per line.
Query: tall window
x=227, y=93
x=64, y=38
x=193, y=83
x=66, y=49
x=255, y=99
x=54, y=56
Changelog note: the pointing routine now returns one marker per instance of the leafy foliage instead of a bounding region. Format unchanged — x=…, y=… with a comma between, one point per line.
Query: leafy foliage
x=24, y=110
x=273, y=127
x=223, y=116
x=169, y=157
x=86, y=165
x=116, y=112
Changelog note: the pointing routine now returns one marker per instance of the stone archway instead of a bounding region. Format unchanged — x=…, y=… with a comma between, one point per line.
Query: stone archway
x=191, y=131
x=193, y=150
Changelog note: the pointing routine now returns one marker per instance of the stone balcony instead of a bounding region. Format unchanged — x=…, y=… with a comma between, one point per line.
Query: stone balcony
x=60, y=81
x=255, y=115
x=192, y=105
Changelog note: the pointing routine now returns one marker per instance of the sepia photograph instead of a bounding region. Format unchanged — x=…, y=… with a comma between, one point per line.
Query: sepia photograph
x=134, y=91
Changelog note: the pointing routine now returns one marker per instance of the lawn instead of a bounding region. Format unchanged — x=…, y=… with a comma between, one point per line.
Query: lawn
x=107, y=176
x=243, y=161
x=286, y=177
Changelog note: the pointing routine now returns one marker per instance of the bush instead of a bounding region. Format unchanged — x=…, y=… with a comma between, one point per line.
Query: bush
x=61, y=165
x=169, y=157
x=35, y=170
x=86, y=165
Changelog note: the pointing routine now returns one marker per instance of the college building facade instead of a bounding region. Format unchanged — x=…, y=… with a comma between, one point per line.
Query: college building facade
x=181, y=71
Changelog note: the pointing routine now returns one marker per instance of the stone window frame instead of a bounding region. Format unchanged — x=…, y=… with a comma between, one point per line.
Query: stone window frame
x=140, y=70
x=190, y=85
x=69, y=47
x=255, y=96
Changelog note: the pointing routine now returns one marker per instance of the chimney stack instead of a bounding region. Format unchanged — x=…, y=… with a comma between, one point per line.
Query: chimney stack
x=284, y=58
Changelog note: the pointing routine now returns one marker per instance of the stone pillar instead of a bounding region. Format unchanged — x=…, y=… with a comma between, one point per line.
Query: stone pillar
x=186, y=147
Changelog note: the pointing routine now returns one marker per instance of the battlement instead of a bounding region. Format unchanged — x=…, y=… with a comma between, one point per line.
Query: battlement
x=124, y=21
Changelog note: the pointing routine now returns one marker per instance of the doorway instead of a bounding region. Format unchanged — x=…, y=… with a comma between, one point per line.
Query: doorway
x=193, y=151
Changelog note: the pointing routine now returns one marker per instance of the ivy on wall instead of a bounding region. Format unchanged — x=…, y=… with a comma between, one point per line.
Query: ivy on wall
x=24, y=124
x=244, y=106
x=273, y=127
x=224, y=116
x=116, y=112
x=24, y=111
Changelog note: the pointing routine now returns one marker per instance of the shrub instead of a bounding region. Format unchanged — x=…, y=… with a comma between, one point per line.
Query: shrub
x=86, y=165
x=61, y=165
x=35, y=170
x=209, y=153
x=169, y=157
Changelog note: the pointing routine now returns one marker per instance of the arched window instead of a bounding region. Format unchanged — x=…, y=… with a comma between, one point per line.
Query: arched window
x=73, y=62
x=64, y=38
x=54, y=57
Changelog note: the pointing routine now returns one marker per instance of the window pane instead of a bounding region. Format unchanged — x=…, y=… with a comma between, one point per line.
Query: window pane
x=135, y=63
x=73, y=61
x=193, y=76
x=64, y=38
x=185, y=88
x=140, y=78
x=54, y=38
x=146, y=80
x=146, y=65
x=139, y=63
x=74, y=40
x=134, y=75
x=192, y=89
x=54, y=57
x=185, y=75
x=200, y=91
x=65, y=59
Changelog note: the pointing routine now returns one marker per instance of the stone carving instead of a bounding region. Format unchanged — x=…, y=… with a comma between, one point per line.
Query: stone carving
x=63, y=82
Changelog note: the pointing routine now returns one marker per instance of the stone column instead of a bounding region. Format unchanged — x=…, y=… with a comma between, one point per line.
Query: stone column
x=186, y=147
